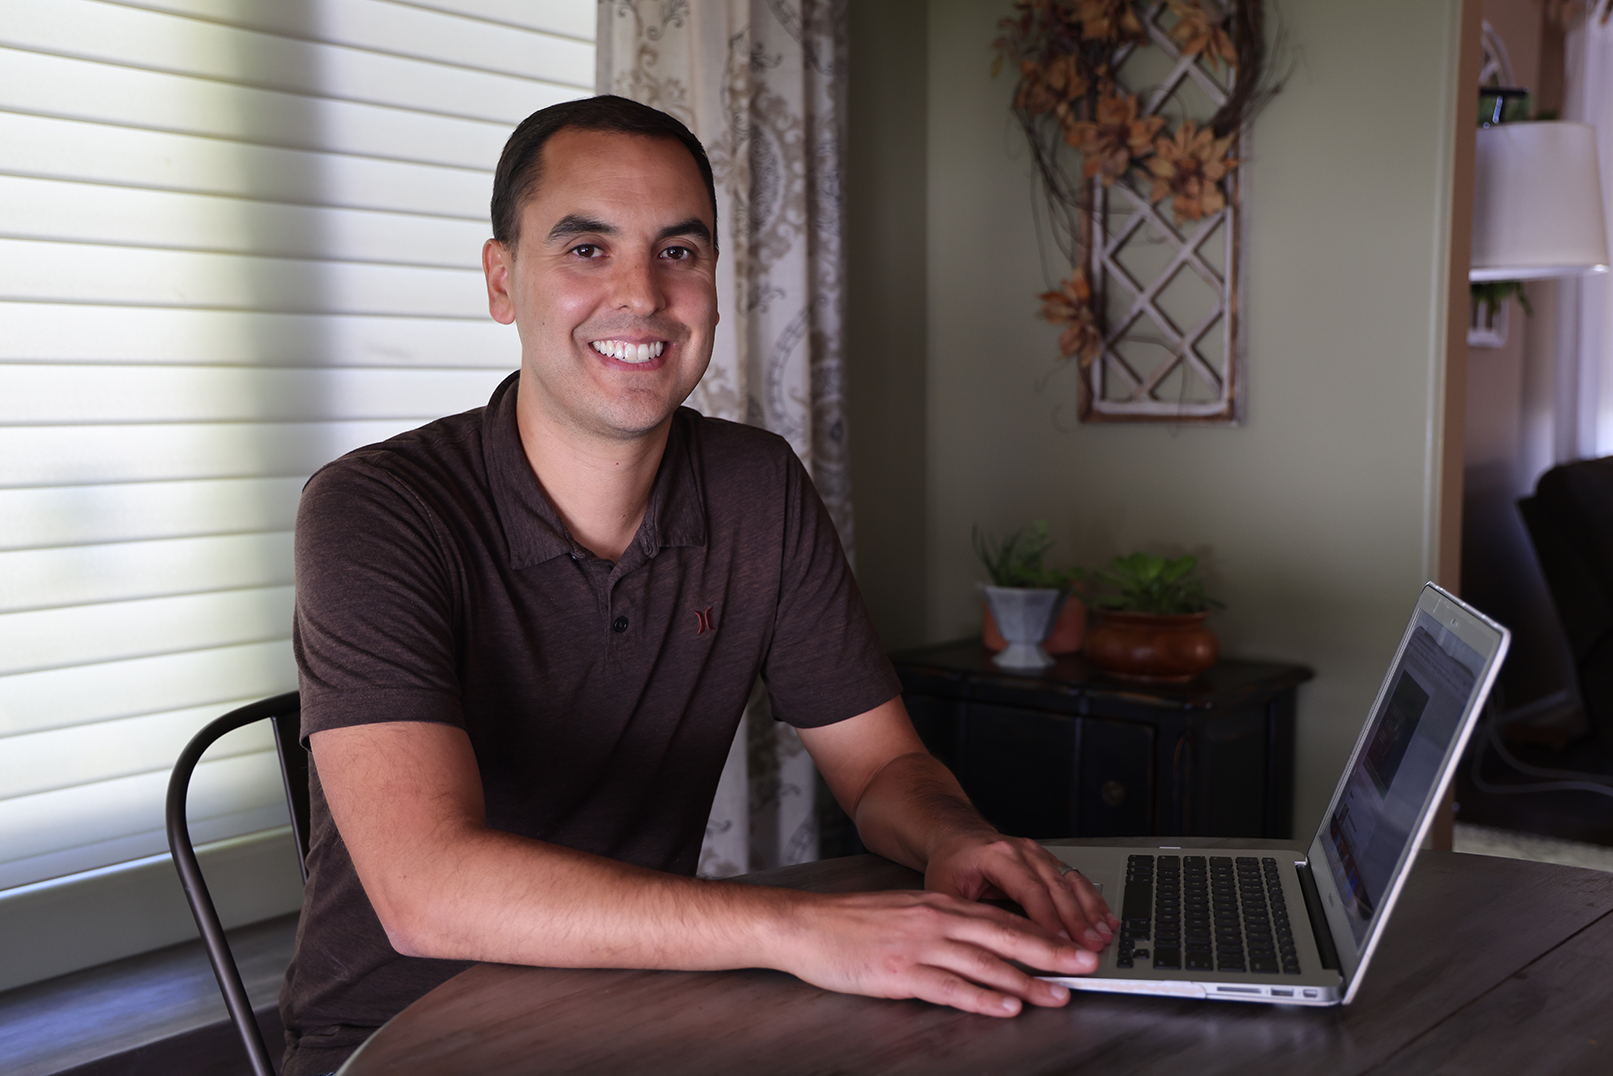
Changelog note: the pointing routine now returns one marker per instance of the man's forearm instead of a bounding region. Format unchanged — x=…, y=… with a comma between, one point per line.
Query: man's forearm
x=406, y=798
x=912, y=805
x=486, y=895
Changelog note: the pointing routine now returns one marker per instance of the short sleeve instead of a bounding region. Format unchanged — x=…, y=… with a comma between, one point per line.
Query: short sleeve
x=825, y=663
x=373, y=634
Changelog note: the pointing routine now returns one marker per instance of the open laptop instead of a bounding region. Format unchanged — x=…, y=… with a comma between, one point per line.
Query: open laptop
x=1250, y=923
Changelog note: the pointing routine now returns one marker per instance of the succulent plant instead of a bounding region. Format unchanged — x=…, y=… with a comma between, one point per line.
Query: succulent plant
x=1160, y=585
x=1016, y=561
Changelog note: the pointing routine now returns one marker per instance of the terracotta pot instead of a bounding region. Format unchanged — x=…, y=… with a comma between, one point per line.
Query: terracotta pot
x=1151, y=646
x=1067, y=630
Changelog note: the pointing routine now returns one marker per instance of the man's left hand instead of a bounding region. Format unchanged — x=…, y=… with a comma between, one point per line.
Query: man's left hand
x=991, y=866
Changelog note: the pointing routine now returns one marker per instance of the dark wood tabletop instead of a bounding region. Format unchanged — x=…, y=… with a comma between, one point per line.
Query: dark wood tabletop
x=1488, y=966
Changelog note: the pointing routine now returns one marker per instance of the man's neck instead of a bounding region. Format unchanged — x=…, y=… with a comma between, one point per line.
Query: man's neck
x=600, y=486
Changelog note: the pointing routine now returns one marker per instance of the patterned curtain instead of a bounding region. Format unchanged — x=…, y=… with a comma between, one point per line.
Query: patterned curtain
x=1584, y=410
x=762, y=84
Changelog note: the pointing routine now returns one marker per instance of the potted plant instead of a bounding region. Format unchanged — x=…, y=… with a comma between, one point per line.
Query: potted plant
x=1154, y=628
x=1027, y=604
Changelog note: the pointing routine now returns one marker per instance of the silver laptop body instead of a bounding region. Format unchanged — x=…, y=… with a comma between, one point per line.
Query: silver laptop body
x=1336, y=900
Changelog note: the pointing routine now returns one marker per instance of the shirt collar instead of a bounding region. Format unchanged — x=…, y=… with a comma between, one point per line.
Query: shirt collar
x=533, y=530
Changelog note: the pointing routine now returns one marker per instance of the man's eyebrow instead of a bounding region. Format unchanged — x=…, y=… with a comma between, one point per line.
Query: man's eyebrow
x=694, y=226
x=574, y=224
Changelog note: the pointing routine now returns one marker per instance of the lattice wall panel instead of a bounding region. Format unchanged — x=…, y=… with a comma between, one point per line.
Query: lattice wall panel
x=1168, y=291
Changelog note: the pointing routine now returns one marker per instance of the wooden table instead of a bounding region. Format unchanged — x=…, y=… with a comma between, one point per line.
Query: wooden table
x=1489, y=966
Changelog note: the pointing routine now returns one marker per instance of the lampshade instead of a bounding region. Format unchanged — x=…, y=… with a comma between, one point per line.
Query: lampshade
x=1537, y=203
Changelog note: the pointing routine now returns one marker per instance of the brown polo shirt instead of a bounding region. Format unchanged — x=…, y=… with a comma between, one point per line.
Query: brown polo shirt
x=435, y=582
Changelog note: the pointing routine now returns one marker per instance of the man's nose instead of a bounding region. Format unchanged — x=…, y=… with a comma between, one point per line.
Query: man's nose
x=636, y=285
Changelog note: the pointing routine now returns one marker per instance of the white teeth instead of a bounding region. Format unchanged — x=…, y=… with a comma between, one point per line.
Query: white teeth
x=625, y=352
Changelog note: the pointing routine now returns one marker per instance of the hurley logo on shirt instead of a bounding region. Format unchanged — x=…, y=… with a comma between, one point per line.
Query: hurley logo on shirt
x=704, y=621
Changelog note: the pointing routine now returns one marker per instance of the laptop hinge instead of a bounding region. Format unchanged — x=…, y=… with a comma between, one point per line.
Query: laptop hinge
x=1318, y=916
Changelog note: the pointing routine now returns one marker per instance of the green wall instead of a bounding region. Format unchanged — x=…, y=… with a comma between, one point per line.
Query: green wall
x=1316, y=517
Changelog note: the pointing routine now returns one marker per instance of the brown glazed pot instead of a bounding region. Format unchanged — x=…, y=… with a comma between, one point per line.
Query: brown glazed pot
x=1067, y=630
x=1152, y=646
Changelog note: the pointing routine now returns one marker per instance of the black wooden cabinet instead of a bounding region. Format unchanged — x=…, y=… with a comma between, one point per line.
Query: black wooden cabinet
x=1071, y=752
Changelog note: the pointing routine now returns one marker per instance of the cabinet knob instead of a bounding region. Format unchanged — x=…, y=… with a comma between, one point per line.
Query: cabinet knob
x=1113, y=793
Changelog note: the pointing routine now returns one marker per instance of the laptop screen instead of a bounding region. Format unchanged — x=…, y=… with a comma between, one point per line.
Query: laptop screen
x=1397, y=769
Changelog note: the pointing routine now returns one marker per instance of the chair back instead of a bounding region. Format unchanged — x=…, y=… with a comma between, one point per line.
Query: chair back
x=285, y=712
x=1570, y=523
x=294, y=774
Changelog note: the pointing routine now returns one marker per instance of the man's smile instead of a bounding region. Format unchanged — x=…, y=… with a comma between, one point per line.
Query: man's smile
x=626, y=351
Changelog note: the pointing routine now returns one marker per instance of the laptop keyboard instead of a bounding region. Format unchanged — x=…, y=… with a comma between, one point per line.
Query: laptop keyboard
x=1205, y=913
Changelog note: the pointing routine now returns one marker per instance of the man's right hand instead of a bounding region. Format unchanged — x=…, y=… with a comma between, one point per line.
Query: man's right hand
x=938, y=948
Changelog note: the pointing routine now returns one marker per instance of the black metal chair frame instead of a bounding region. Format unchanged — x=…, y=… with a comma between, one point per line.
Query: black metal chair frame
x=284, y=711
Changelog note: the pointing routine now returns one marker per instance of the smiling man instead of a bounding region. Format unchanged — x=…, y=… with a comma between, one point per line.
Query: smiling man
x=526, y=634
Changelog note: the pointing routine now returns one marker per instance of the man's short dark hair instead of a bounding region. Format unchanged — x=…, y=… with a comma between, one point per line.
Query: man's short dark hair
x=520, y=167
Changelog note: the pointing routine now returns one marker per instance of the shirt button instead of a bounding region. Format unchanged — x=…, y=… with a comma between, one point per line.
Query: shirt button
x=577, y=554
x=620, y=625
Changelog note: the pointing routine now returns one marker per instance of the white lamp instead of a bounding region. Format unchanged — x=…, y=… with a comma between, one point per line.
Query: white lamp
x=1537, y=203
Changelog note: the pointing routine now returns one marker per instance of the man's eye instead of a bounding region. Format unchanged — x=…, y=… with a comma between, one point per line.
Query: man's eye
x=585, y=250
x=677, y=254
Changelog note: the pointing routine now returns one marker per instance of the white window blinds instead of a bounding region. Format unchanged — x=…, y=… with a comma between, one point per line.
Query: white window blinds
x=237, y=238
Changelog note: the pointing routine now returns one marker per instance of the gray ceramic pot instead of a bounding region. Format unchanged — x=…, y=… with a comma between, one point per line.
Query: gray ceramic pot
x=1025, y=616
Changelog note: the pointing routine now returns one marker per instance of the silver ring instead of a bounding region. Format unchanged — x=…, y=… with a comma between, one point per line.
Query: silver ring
x=1067, y=869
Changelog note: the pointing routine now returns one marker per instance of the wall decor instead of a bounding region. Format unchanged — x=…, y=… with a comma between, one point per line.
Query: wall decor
x=1488, y=305
x=1137, y=114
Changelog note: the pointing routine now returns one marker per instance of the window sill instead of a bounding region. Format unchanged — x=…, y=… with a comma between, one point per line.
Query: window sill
x=155, y=1012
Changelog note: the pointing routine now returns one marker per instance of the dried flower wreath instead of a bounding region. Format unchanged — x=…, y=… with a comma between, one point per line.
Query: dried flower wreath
x=1566, y=14
x=1067, y=53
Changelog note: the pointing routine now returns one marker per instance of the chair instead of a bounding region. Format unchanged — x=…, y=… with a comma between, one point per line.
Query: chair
x=284, y=711
x=1570, y=523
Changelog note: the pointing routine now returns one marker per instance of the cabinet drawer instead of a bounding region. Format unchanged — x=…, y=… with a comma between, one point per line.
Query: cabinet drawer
x=1117, y=779
x=1019, y=767
x=1232, y=758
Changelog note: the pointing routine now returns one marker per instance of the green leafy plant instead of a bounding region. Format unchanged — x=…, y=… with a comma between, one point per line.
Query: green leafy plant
x=1016, y=561
x=1492, y=293
x=1150, y=584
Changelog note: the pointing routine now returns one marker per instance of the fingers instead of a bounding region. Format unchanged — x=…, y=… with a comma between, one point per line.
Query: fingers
x=1061, y=903
x=1050, y=904
x=968, y=970
x=942, y=986
x=1093, y=906
x=1008, y=936
x=937, y=948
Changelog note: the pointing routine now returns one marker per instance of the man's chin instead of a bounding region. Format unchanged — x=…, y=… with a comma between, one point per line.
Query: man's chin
x=632, y=423
x=601, y=410
x=636, y=415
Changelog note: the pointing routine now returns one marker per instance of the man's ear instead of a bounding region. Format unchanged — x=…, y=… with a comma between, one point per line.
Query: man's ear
x=497, y=261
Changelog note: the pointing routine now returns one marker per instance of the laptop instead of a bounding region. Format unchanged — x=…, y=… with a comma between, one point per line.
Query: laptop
x=1252, y=924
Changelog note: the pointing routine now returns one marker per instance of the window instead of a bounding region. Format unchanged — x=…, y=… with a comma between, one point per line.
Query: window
x=236, y=240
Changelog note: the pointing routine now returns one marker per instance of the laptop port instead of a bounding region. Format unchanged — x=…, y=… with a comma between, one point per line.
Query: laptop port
x=1280, y=993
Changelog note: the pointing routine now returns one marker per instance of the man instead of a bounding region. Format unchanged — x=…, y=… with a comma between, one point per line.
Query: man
x=526, y=635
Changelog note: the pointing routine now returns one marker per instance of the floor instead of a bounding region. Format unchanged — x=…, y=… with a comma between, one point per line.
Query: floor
x=1509, y=844
x=1504, y=809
